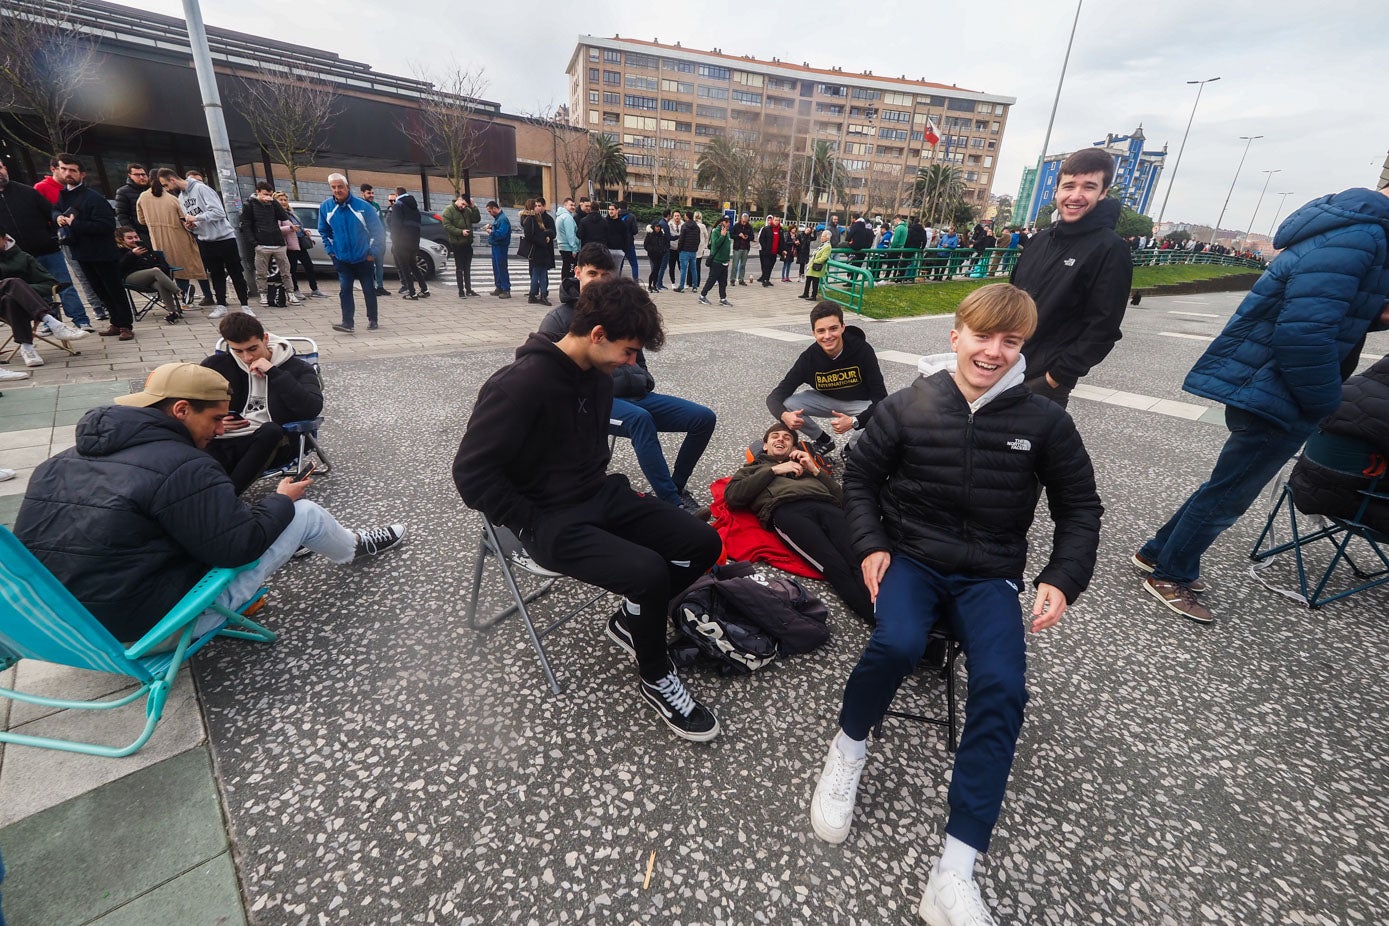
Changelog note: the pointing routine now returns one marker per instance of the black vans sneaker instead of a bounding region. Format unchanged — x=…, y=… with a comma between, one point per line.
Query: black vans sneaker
x=681, y=712
x=376, y=540
x=619, y=634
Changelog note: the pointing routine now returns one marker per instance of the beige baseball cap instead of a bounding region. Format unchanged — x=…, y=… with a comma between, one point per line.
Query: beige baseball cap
x=179, y=381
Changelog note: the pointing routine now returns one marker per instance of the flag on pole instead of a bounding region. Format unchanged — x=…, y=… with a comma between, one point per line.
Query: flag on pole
x=932, y=136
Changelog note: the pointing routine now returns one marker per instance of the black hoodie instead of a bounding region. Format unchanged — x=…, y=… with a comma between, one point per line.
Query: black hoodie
x=1079, y=273
x=854, y=374
x=537, y=438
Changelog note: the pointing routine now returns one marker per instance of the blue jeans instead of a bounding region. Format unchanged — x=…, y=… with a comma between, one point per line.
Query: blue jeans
x=688, y=276
x=58, y=269
x=540, y=280
x=987, y=620
x=380, y=278
x=499, y=268
x=1253, y=454
x=645, y=418
x=631, y=256
x=660, y=275
x=363, y=273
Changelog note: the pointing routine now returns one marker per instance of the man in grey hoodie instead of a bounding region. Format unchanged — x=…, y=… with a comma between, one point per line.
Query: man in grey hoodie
x=206, y=218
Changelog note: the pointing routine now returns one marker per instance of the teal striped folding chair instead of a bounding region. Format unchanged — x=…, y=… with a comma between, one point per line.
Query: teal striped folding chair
x=39, y=619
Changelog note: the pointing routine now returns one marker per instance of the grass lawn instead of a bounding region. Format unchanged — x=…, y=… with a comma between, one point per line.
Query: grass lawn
x=942, y=298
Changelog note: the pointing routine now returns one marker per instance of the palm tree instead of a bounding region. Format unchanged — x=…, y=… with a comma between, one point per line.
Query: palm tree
x=824, y=171
x=939, y=187
x=723, y=167
x=609, y=163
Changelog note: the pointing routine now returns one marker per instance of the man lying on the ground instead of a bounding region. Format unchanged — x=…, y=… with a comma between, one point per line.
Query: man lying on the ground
x=802, y=503
x=270, y=387
x=26, y=294
x=844, y=377
x=136, y=513
x=645, y=414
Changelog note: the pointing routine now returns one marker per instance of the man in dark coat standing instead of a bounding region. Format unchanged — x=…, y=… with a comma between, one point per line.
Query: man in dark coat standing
x=403, y=223
x=90, y=225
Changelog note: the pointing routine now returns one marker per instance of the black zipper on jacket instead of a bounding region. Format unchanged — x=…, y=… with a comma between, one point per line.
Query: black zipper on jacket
x=969, y=477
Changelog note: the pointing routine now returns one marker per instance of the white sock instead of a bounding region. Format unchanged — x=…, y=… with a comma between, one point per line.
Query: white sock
x=849, y=748
x=631, y=607
x=958, y=857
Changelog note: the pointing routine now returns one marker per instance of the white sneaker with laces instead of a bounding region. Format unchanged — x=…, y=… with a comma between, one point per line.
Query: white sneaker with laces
x=218, y=312
x=953, y=900
x=524, y=560
x=30, y=353
x=832, y=807
x=293, y=299
x=7, y=474
x=43, y=330
x=247, y=310
x=65, y=333
x=264, y=299
x=9, y=376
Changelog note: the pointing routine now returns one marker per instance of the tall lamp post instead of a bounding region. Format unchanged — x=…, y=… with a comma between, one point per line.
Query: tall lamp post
x=1260, y=200
x=1248, y=140
x=1046, y=140
x=1201, y=85
x=1276, y=213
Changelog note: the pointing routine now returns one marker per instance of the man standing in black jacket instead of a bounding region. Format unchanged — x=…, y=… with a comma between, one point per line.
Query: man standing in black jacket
x=137, y=180
x=261, y=218
x=28, y=218
x=91, y=233
x=742, y=246
x=1079, y=271
x=534, y=458
x=403, y=222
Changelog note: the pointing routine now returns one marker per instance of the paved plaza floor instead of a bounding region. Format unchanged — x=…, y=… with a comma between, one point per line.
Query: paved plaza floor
x=383, y=763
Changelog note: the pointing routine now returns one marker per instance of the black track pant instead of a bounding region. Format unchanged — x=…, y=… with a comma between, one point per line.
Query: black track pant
x=819, y=532
x=634, y=545
x=105, y=278
x=768, y=261
x=404, y=248
x=222, y=260
x=718, y=273
x=463, y=267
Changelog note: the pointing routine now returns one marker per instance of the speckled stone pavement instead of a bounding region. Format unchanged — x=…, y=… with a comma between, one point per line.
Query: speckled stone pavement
x=383, y=763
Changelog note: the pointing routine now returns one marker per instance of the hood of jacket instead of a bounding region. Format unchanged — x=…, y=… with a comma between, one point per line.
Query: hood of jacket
x=569, y=291
x=1330, y=212
x=112, y=428
x=931, y=364
x=1104, y=215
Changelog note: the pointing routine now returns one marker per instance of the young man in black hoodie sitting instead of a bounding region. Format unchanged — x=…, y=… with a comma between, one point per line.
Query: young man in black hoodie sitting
x=535, y=456
x=1079, y=272
x=844, y=377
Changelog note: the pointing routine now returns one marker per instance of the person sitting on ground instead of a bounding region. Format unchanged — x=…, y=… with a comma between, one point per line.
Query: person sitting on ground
x=145, y=270
x=27, y=292
x=535, y=458
x=844, y=377
x=270, y=387
x=940, y=494
x=643, y=413
x=136, y=513
x=1348, y=453
x=801, y=502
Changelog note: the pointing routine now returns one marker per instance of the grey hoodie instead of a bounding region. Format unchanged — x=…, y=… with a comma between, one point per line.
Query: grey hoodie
x=934, y=363
x=202, y=203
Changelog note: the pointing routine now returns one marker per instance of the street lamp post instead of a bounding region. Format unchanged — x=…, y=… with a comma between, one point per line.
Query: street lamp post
x=1248, y=140
x=1171, y=181
x=1046, y=140
x=1260, y=201
x=1276, y=213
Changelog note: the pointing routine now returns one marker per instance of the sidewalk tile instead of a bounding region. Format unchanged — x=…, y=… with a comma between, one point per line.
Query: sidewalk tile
x=91, y=854
x=34, y=437
x=37, y=677
x=206, y=896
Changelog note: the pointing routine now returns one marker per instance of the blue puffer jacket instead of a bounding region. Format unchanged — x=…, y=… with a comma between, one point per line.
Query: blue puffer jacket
x=350, y=230
x=1280, y=356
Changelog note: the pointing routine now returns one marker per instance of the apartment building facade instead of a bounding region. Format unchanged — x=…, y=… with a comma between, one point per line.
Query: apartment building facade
x=666, y=103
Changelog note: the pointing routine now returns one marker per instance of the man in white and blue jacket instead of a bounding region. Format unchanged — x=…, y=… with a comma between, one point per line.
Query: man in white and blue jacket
x=1278, y=368
x=355, y=239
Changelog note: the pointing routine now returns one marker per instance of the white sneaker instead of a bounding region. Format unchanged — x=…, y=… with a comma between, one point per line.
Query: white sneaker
x=832, y=807
x=30, y=353
x=523, y=560
x=264, y=300
x=66, y=333
x=952, y=900
x=293, y=299
x=7, y=474
x=9, y=376
x=219, y=312
x=43, y=330
x=246, y=309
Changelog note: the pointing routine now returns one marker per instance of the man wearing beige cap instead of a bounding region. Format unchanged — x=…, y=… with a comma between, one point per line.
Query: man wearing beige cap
x=133, y=516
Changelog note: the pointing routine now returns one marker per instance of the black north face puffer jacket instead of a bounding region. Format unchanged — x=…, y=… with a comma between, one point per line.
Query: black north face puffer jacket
x=957, y=490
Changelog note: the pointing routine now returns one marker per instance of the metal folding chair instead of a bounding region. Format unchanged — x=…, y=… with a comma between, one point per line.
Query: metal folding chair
x=305, y=432
x=11, y=346
x=940, y=636
x=503, y=547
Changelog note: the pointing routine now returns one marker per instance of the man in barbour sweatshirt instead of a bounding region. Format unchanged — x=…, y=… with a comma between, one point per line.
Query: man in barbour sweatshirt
x=845, y=381
x=1079, y=272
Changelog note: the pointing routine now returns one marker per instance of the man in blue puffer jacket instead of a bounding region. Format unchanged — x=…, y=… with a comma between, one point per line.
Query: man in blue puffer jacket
x=1277, y=367
x=355, y=239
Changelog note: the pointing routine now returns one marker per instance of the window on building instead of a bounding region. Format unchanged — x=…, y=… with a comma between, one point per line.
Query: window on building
x=860, y=93
x=998, y=109
x=918, y=136
x=593, y=75
x=713, y=93
x=860, y=128
x=976, y=142
x=638, y=141
x=705, y=111
x=635, y=60
x=858, y=199
x=676, y=86
x=960, y=106
x=980, y=125
x=632, y=101
x=971, y=175
x=780, y=83
x=680, y=67
x=830, y=90
x=611, y=57
x=829, y=109
x=677, y=106
x=747, y=97
x=893, y=134
x=593, y=116
x=674, y=144
x=742, y=114
x=593, y=97
x=610, y=119
x=897, y=99
x=637, y=82
x=851, y=164
x=710, y=131
x=670, y=125
x=641, y=160
x=992, y=145
x=747, y=80
x=780, y=102
x=611, y=99
x=712, y=72
x=644, y=123
x=593, y=54
x=612, y=77
x=988, y=161
x=893, y=115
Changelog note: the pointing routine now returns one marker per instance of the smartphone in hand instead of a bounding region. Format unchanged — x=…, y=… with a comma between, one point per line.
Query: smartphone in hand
x=305, y=472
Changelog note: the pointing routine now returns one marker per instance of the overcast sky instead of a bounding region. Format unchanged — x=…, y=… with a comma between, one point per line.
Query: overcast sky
x=1308, y=76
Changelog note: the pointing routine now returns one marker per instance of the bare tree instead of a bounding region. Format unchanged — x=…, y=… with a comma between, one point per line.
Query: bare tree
x=571, y=149
x=44, y=63
x=450, y=127
x=671, y=181
x=289, y=115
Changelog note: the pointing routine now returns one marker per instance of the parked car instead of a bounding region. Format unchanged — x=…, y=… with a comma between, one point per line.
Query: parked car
x=431, y=258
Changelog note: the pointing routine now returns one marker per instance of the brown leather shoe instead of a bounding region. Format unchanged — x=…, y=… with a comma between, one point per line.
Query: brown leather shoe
x=110, y=332
x=126, y=335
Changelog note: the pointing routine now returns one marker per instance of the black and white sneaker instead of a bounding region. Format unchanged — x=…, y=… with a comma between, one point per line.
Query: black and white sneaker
x=678, y=708
x=619, y=634
x=377, y=540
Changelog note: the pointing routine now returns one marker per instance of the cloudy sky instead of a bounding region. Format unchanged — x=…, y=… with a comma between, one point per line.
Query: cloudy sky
x=1308, y=76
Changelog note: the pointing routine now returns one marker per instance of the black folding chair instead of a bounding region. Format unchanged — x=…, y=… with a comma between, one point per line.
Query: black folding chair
x=942, y=637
